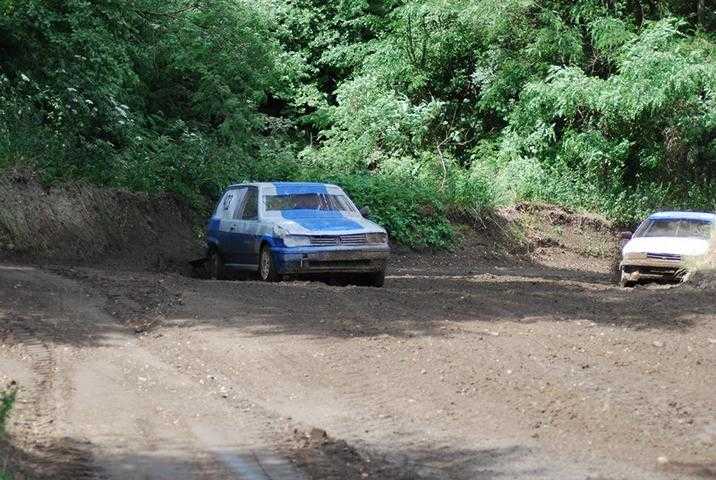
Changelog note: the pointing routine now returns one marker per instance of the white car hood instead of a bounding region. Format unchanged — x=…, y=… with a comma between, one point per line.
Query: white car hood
x=673, y=245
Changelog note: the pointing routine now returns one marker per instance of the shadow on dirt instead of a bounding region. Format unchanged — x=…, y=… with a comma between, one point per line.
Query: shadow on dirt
x=317, y=457
x=413, y=305
x=82, y=306
x=323, y=457
x=327, y=459
x=39, y=308
x=61, y=459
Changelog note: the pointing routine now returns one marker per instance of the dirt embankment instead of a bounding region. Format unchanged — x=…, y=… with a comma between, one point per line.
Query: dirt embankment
x=90, y=226
x=87, y=225
x=526, y=233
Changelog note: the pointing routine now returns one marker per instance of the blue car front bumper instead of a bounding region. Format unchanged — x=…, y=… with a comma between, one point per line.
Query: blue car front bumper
x=292, y=260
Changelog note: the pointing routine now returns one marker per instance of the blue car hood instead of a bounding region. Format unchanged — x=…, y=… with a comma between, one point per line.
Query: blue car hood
x=310, y=222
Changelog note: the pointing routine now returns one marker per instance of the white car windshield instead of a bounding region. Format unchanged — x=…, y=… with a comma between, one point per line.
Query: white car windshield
x=309, y=201
x=676, y=227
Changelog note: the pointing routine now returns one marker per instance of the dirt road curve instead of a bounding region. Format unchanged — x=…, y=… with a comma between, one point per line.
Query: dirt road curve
x=454, y=370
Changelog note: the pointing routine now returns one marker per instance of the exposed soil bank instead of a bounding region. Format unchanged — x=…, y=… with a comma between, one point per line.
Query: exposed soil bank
x=88, y=225
x=93, y=226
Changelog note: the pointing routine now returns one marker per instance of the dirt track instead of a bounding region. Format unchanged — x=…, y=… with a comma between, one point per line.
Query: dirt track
x=458, y=369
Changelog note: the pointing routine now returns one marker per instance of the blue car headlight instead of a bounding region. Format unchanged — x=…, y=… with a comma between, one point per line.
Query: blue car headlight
x=296, y=240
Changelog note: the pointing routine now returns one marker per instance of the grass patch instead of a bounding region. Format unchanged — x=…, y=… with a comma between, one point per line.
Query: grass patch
x=7, y=400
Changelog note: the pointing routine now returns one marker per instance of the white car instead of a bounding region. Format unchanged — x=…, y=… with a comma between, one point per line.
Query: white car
x=664, y=244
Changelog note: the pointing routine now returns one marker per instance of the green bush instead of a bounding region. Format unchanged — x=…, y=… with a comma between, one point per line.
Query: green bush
x=424, y=110
x=634, y=141
x=411, y=211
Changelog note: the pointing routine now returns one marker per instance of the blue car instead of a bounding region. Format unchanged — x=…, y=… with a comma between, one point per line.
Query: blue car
x=284, y=228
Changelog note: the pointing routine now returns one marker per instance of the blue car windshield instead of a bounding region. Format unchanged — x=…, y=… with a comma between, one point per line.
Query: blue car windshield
x=309, y=201
x=676, y=228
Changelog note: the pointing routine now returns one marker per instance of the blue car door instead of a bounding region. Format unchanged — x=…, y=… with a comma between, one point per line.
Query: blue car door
x=229, y=235
x=213, y=228
x=247, y=226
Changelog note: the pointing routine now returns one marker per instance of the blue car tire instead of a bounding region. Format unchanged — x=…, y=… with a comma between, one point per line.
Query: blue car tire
x=267, y=269
x=376, y=279
x=216, y=265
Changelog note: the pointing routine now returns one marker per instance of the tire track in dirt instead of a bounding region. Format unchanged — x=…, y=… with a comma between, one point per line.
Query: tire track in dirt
x=258, y=452
x=89, y=385
x=53, y=457
x=243, y=442
x=345, y=407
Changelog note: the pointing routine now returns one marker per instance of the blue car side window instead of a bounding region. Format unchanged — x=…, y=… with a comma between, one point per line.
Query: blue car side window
x=227, y=200
x=251, y=205
x=239, y=203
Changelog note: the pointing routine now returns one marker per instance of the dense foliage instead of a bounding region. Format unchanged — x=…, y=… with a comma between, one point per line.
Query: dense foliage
x=422, y=109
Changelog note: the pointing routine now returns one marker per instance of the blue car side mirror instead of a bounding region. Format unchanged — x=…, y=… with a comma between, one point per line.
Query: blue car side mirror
x=365, y=212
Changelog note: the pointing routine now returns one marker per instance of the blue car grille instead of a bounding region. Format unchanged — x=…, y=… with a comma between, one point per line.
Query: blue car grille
x=664, y=256
x=335, y=240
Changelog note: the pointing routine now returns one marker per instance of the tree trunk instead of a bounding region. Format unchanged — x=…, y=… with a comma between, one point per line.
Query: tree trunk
x=700, y=12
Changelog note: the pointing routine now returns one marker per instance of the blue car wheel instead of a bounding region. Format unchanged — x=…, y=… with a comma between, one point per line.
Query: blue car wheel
x=376, y=279
x=267, y=269
x=216, y=266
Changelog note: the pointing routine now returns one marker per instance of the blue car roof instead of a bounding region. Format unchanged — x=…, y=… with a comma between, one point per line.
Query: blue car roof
x=298, y=184
x=289, y=186
x=707, y=217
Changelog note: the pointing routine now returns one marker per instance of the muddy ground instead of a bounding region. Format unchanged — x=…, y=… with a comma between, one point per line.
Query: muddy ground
x=475, y=364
